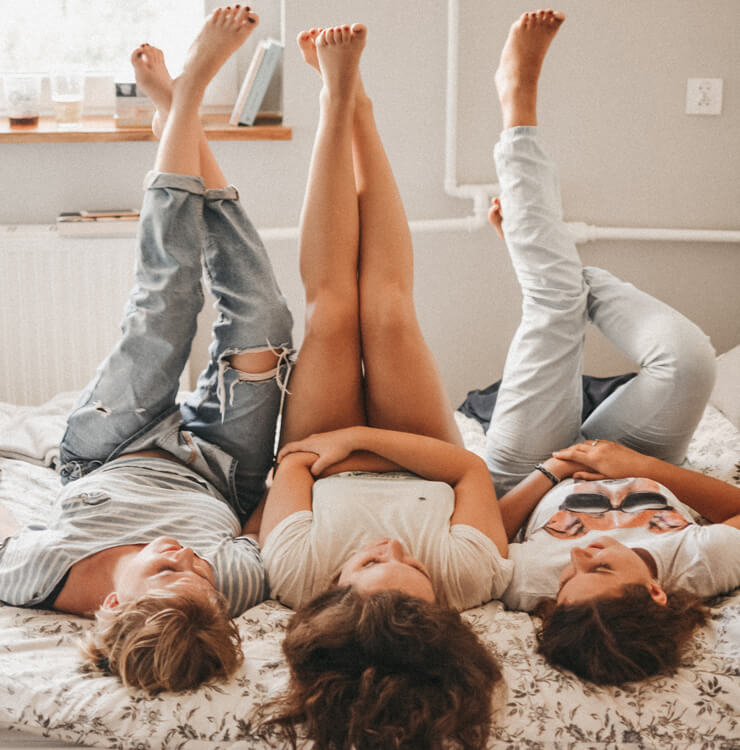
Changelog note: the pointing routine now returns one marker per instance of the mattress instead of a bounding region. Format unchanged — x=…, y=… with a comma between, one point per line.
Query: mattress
x=46, y=697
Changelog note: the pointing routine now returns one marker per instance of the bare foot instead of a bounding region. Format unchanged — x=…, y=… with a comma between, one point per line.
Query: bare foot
x=338, y=50
x=306, y=41
x=521, y=61
x=224, y=31
x=495, y=217
x=153, y=78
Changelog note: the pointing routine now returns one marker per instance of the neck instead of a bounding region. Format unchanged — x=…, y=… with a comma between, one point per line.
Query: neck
x=91, y=580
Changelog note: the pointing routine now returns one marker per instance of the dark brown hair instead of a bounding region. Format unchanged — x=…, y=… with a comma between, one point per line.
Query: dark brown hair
x=165, y=641
x=614, y=640
x=384, y=671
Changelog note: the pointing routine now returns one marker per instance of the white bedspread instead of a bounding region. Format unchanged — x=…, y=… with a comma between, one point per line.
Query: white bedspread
x=43, y=692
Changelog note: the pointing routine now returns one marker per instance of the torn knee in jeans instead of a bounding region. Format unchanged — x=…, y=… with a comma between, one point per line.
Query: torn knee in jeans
x=255, y=365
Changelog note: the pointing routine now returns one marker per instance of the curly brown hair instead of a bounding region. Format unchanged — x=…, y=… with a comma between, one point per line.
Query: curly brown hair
x=165, y=641
x=386, y=670
x=615, y=640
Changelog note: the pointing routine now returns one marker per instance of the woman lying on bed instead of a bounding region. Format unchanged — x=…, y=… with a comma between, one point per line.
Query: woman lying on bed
x=615, y=555
x=150, y=535
x=376, y=564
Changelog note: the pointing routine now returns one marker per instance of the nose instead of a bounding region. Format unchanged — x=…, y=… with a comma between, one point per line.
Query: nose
x=581, y=557
x=184, y=557
x=394, y=550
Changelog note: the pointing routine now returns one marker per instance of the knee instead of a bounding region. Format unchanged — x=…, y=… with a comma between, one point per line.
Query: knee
x=689, y=356
x=333, y=315
x=391, y=316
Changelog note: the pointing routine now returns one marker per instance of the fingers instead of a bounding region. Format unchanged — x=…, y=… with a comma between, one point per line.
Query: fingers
x=297, y=446
x=588, y=476
x=319, y=465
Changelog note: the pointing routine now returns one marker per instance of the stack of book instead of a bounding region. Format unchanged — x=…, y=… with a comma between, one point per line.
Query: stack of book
x=109, y=223
x=254, y=87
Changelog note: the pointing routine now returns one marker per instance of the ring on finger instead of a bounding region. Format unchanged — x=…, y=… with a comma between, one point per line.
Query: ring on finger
x=593, y=442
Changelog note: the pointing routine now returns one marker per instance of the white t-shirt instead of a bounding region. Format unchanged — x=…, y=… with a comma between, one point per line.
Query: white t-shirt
x=305, y=552
x=702, y=559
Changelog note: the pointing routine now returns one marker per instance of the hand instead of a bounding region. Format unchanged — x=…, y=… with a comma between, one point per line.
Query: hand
x=329, y=447
x=602, y=459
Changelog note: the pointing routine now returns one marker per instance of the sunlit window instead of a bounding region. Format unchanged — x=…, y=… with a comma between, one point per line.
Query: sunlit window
x=38, y=35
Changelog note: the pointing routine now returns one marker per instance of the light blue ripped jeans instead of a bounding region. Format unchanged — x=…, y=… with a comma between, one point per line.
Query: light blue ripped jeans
x=538, y=409
x=225, y=430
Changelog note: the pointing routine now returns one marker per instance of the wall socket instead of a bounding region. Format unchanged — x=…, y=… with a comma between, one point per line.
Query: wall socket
x=704, y=96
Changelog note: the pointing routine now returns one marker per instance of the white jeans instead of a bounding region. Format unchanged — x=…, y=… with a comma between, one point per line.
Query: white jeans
x=538, y=409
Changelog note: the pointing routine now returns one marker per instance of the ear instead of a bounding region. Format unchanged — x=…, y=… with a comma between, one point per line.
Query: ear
x=111, y=601
x=658, y=594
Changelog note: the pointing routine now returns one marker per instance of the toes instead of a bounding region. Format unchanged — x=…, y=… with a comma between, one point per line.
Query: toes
x=359, y=29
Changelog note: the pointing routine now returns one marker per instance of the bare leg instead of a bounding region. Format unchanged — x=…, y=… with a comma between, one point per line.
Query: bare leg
x=403, y=387
x=326, y=386
x=223, y=33
x=521, y=61
x=153, y=78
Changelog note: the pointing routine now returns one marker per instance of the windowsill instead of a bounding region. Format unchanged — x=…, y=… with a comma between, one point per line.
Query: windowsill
x=103, y=129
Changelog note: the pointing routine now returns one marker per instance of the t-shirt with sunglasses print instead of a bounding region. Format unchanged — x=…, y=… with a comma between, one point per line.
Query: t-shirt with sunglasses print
x=637, y=512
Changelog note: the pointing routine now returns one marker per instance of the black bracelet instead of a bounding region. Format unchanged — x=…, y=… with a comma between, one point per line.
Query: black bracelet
x=548, y=474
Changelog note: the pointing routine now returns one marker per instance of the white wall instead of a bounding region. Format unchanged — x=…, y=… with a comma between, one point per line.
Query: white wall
x=611, y=112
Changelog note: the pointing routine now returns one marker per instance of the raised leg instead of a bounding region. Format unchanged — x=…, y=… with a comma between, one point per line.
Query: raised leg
x=657, y=412
x=135, y=387
x=539, y=404
x=326, y=386
x=403, y=386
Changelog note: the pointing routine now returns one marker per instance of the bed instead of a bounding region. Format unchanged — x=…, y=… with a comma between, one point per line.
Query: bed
x=46, y=699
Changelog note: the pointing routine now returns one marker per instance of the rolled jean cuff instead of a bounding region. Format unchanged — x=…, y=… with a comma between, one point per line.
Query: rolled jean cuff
x=511, y=134
x=190, y=184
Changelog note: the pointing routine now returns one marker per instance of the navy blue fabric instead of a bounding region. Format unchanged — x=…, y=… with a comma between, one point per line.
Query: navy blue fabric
x=479, y=404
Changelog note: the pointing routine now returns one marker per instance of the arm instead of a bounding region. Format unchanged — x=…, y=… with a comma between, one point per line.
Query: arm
x=291, y=491
x=714, y=499
x=436, y=460
x=519, y=502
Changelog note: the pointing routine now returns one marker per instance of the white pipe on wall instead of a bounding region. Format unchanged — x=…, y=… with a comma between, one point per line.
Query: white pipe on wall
x=481, y=193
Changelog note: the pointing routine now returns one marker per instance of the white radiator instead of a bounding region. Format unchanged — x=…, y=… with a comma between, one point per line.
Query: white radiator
x=61, y=303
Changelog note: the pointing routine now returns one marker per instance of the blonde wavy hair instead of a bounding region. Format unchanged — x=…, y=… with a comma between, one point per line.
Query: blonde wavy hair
x=165, y=641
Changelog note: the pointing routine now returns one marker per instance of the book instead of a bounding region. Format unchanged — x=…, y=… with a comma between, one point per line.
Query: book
x=114, y=213
x=259, y=74
x=109, y=224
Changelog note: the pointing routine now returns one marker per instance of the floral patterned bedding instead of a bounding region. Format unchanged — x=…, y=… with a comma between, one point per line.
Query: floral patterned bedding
x=44, y=692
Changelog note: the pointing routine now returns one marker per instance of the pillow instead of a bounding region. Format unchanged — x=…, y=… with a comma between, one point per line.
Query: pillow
x=726, y=393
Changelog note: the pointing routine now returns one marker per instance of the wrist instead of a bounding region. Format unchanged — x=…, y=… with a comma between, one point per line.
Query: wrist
x=561, y=469
x=547, y=472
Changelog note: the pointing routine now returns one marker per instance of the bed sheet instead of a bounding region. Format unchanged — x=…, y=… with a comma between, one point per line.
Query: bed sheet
x=45, y=693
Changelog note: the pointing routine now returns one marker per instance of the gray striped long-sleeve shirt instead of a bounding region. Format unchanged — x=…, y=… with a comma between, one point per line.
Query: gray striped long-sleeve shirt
x=133, y=501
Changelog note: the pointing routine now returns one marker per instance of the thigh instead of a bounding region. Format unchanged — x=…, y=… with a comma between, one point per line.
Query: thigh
x=325, y=390
x=404, y=388
x=538, y=409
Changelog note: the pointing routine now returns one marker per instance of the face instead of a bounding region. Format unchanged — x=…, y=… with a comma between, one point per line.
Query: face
x=164, y=564
x=601, y=570
x=385, y=565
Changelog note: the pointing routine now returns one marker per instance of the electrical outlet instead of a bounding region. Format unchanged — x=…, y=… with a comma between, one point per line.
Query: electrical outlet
x=704, y=96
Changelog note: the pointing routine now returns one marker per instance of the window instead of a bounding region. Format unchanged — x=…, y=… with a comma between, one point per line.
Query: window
x=99, y=35
x=38, y=35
